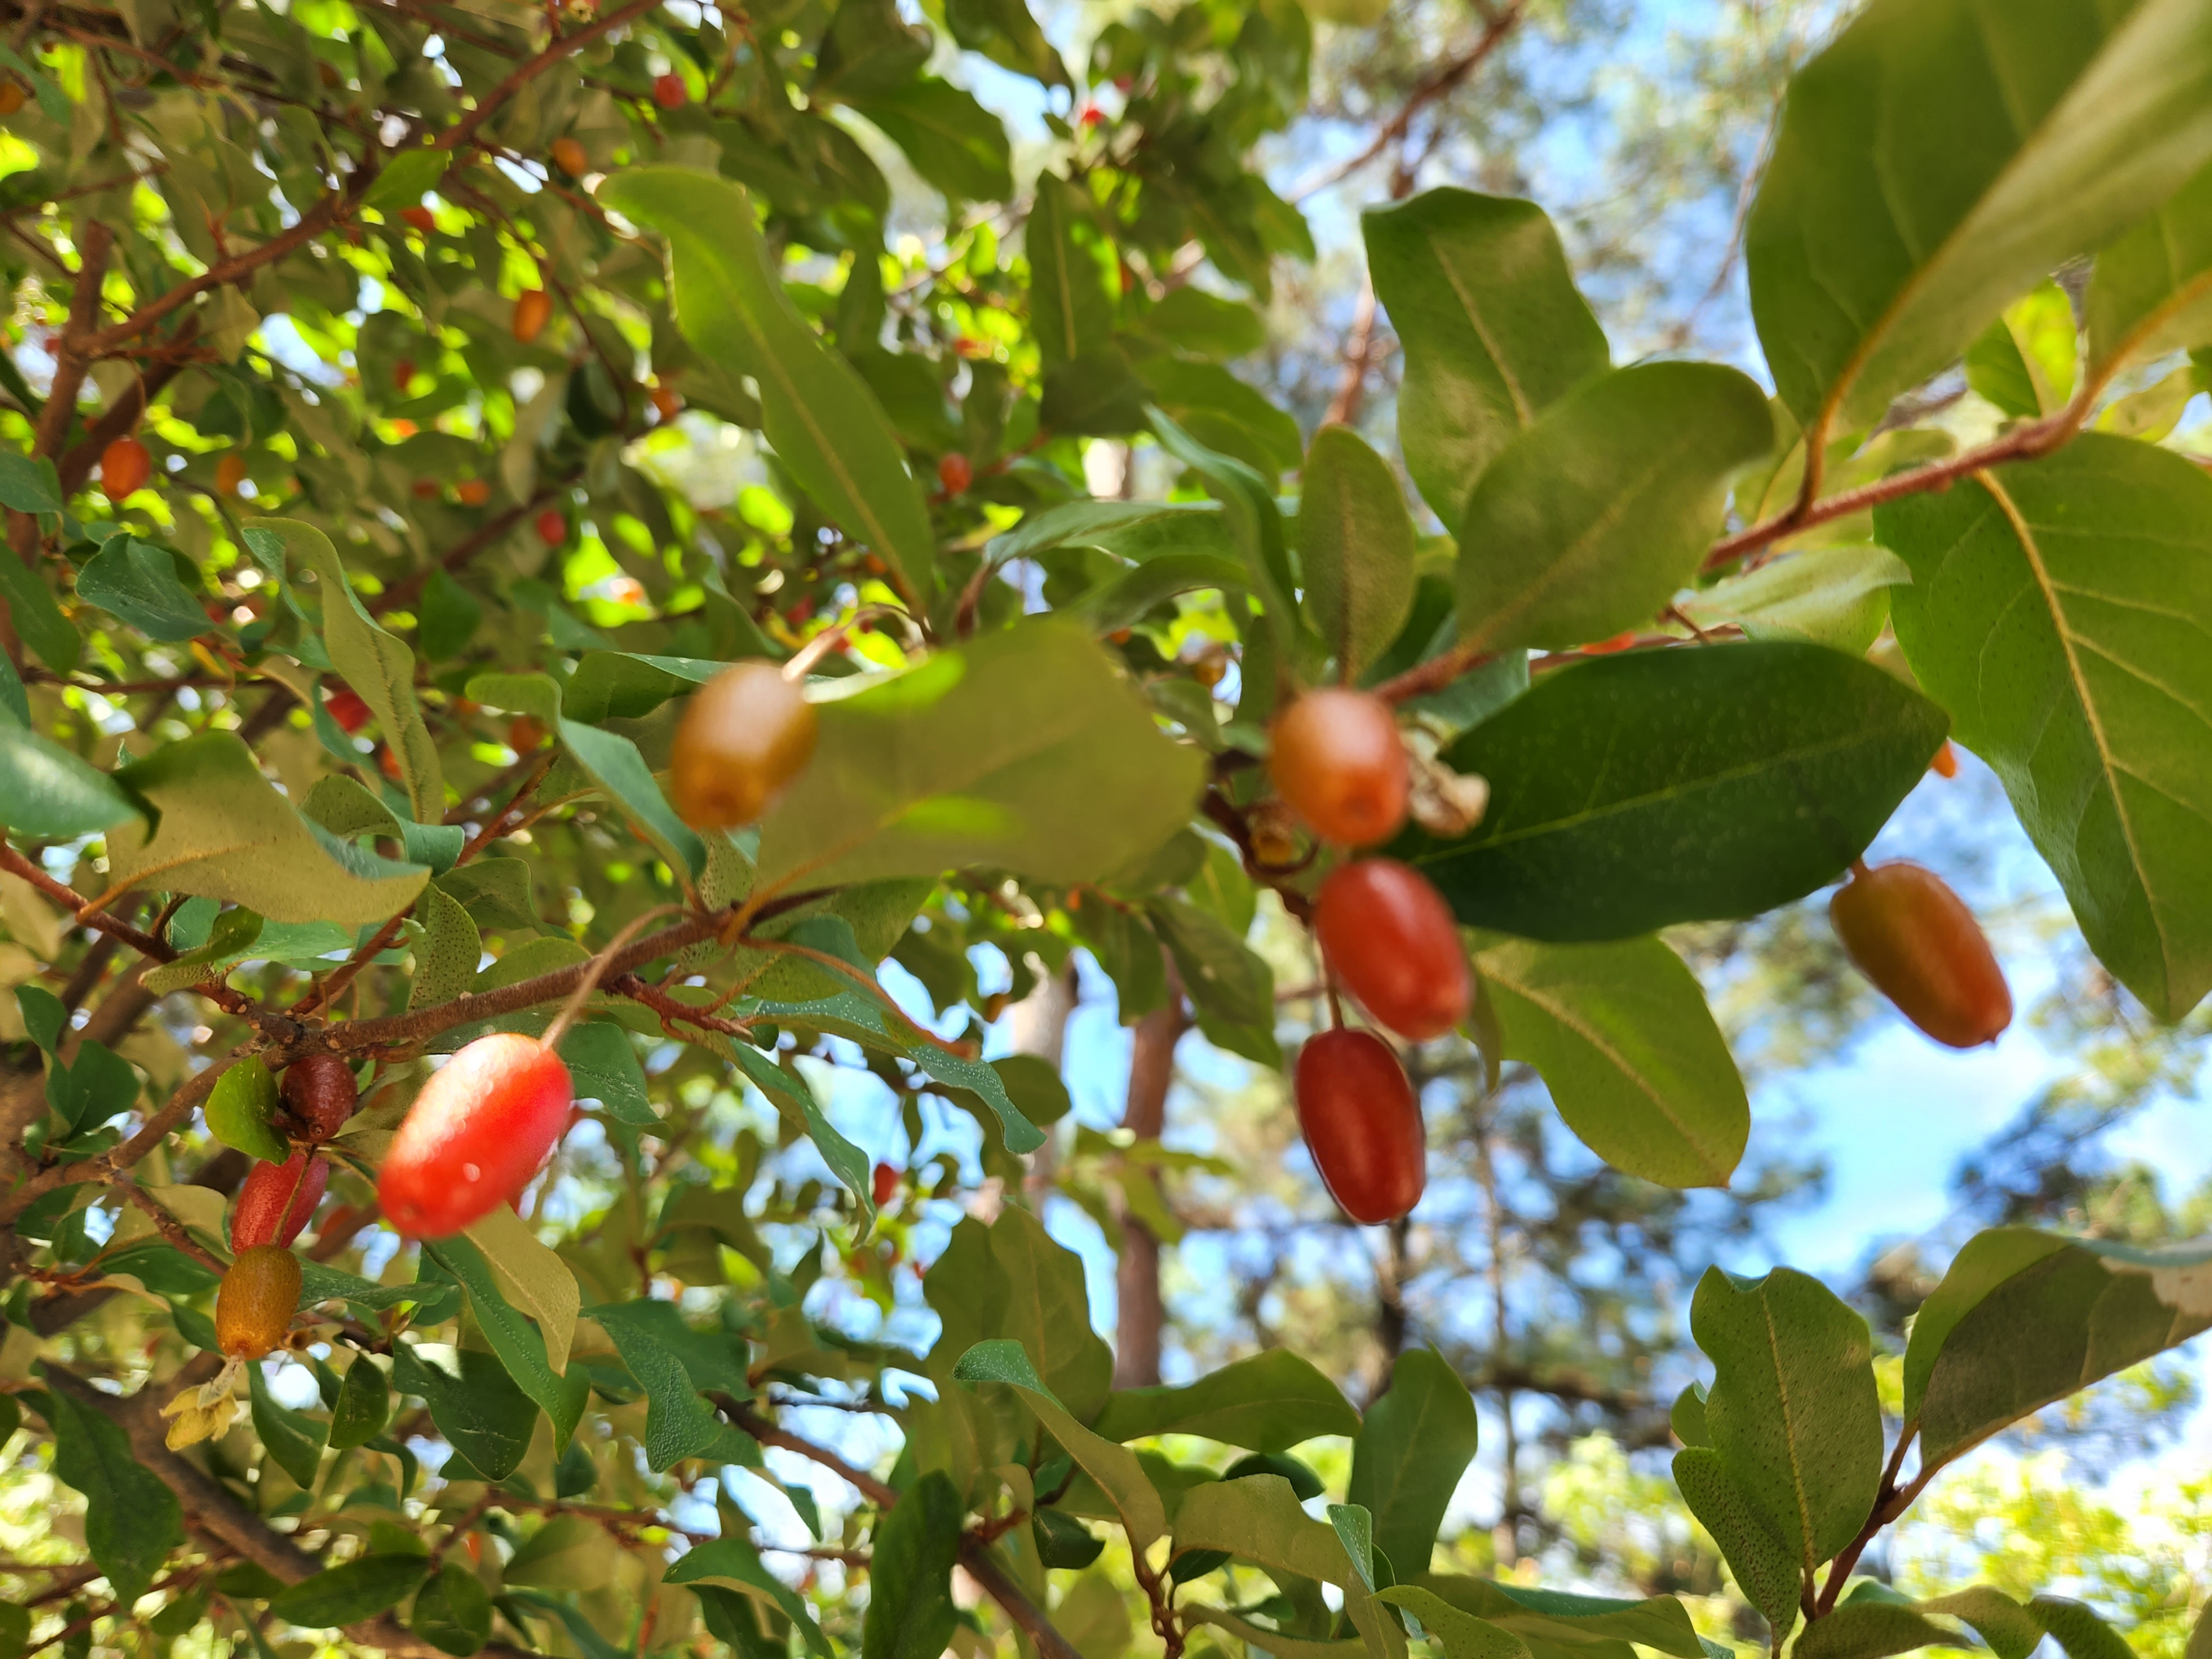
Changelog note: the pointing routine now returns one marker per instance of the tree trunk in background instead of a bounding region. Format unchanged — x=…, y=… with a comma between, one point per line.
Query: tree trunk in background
x=1038, y=1025
x=1136, y=1274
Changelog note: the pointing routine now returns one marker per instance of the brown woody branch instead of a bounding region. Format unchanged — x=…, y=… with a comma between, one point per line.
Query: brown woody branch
x=560, y=46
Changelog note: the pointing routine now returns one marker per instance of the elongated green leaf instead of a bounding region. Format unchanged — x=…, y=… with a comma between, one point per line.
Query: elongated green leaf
x=734, y=1563
x=1941, y=158
x=1629, y=793
x=1413, y=1445
x=452, y=1612
x=376, y=664
x=1006, y=32
x=446, y=960
x=2023, y=1318
x=363, y=1406
x=1075, y=278
x=293, y=1440
x=480, y=1410
x=226, y=832
x=522, y=1348
x=1793, y=1411
x=994, y=755
x=241, y=1110
x=2152, y=289
x=38, y=617
x=346, y=1594
x=1269, y=1402
x=954, y=143
x=621, y=685
x=1494, y=330
x=2058, y=610
x=1355, y=548
x=1872, y=1629
x=531, y=1278
x=1765, y=1570
x=1622, y=1038
x=1047, y=1310
x=1255, y=525
x=138, y=582
x=825, y=424
x=847, y=1161
x=1113, y=1466
x=1459, y=1634
x=1118, y=604
x=407, y=177
x=1587, y=523
x=1659, y=1622
x=1134, y=530
x=678, y=1422
x=603, y=1064
x=47, y=794
x=1258, y=1520
x=131, y=1519
x=1834, y=596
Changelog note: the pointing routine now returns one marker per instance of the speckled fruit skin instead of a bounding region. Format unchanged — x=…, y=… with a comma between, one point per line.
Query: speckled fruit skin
x=1392, y=942
x=253, y=1305
x=475, y=1136
x=1338, y=762
x=1920, y=944
x=258, y=1217
x=746, y=733
x=320, y=1091
x=1362, y=1124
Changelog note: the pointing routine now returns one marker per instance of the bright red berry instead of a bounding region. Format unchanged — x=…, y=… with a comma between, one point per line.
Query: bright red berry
x=263, y=1216
x=348, y=710
x=956, y=473
x=1392, y=941
x=475, y=1136
x=886, y=1184
x=420, y=217
x=553, y=527
x=1362, y=1124
x=669, y=91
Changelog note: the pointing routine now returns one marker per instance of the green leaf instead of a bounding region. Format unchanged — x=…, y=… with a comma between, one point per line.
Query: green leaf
x=2055, y=610
x=47, y=794
x=376, y=664
x=1047, y=1310
x=1123, y=601
x=1623, y=1040
x=1838, y=597
x=1225, y=977
x=1588, y=522
x=45, y=1016
x=1459, y=1634
x=407, y=178
x=603, y=1064
x=2023, y=1318
x=679, y=1424
x=1222, y=412
x=824, y=422
x=852, y=1166
x=1941, y=158
x=1793, y=1412
x=29, y=486
x=1006, y=32
x=1355, y=1530
x=96, y=1087
x=994, y=754
x=2151, y=292
x=1075, y=279
x=131, y=1518
x=611, y=760
x=1355, y=548
x=446, y=959
x=1258, y=1520
x=1138, y=530
x=138, y=581
x=526, y=1350
x=1113, y=1466
x=1565, y=1618
x=1764, y=1568
x=1409, y=1456
x=1494, y=330
x=954, y=143
x=346, y=1594
x=480, y=1409
x=1268, y=1402
x=37, y=616
x=1700, y=783
x=294, y=1442
x=1688, y=1417
x=621, y=685
x=229, y=936
x=452, y=1612
x=363, y=1406
x=733, y=1562
x=242, y=1109
x=226, y=832
x=1870, y=1629
x=531, y=1279
x=1255, y=523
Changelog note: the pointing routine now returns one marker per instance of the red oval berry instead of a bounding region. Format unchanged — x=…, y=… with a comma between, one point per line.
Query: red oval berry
x=348, y=709
x=955, y=472
x=420, y=217
x=533, y=309
x=886, y=1184
x=262, y=1216
x=320, y=1093
x=746, y=734
x=402, y=374
x=1338, y=762
x=1920, y=944
x=553, y=526
x=569, y=156
x=669, y=91
x=1362, y=1124
x=475, y=1136
x=1392, y=940
x=254, y=1304
x=124, y=467
x=1945, y=764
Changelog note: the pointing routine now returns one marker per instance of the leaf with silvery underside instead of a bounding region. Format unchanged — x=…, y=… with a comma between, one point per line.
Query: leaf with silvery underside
x=1939, y=159
x=2059, y=610
x=225, y=832
x=2023, y=1318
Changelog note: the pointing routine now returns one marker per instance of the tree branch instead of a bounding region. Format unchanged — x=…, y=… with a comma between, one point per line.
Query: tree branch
x=560, y=46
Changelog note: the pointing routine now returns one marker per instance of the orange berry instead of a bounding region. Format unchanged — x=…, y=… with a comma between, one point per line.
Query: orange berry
x=524, y=732
x=403, y=373
x=956, y=473
x=1916, y=940
x=669, y=91
x=1945, y=764
x=746, y=733
x=666, y=403
x=533, y=309
x=569, y=156
x=472, y=492
x=230, y=473
x=253, y=1306
x=1393, y=941
x=348, y=710
x=1338, y=762
x=12, y=97
x=553, y=526
x=388, y=763
x=420, y=217
x=124, y=467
